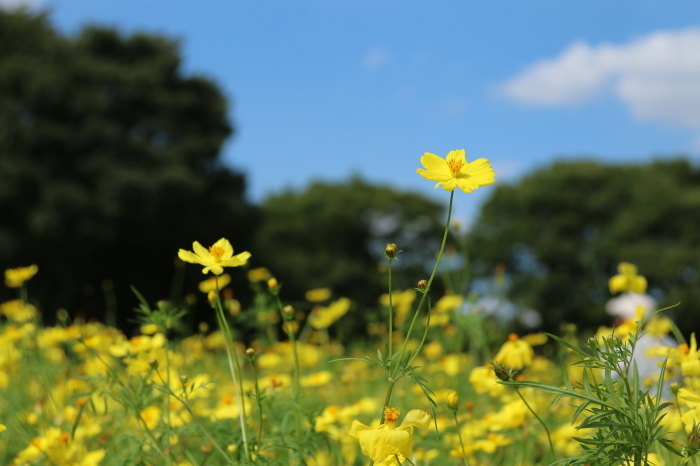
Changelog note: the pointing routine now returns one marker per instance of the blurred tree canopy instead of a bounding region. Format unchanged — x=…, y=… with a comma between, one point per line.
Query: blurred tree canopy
x=334, y=235
x=109, y=163
x=562, y=231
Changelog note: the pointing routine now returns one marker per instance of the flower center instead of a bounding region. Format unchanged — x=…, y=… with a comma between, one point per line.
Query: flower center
x=684, y=348
x=216, y=252
x=455, y=166
x=391, y=415
x=513, y=337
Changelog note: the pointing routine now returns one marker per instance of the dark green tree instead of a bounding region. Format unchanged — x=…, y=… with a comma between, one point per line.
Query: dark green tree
x=109, y=162
x=562, y=230
x=334, y=235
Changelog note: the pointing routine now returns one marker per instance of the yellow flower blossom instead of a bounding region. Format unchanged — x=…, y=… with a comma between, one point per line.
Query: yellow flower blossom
x=318, y=295
x=259, y=275
x=448, y=303
x=627, y=280
x=14, y=278
x=385, y=441
x=323, y=317
x=515, y=353
x=454, y=171
x=215, y=258
x=209, y=285
x=18, y=311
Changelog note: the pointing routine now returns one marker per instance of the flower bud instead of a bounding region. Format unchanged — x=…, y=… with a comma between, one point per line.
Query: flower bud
x=423, y=284
x=593, y=343
x=287, y=312
x=184, y=379
x=250, y=352
x=153, y=363
x=453, y=401
x=203, y=327
x=272, y=283
x=694, y=437
x=674, y=388
x=390, y=251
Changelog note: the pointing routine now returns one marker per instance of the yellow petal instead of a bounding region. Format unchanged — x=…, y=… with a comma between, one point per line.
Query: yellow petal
x=417, y=418
x=237, y=260
x=224, y=244
x=188, y=256
x=435, y=168
x=459, y=155
x=382, y=442
x=201, y=251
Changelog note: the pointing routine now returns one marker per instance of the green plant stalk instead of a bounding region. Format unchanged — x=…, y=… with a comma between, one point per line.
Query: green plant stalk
x=392, y=378
x=427, y=288
x=549, y=437
x=194, y=417
x=390, y=353
x=23, y=294
x=259, y=400
x=461, y=442
x=293, y=341
x=234, y=366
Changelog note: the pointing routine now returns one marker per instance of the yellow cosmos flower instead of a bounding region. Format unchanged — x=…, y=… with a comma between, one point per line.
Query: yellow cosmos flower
x=14, y=278
x=258, y=275
x=385, y=441
x=627, y=280
x=515, y=353
x=318, y=295
x=209, y=284
x=323, y=317
x=454, y=171
x=215, y=258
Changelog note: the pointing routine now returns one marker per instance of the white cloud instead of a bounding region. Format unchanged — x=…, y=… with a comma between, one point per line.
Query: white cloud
x=375, y=58
x=657, y=76
x=21, y=4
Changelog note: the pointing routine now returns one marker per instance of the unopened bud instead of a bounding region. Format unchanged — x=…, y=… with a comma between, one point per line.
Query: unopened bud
x=211, y=296
x=203, y=327
x=674, y=388
x=453, y=401
x=250, y=352
x=390, y=251
x=288, y=311
x=184, y=379
x=272, y=283
x=423, y=284
x=502, y=372
x=593, y=343
x=694, y=437
x=153, y=363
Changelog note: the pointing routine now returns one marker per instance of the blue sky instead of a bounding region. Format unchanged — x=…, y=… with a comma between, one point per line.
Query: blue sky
x=322, y=89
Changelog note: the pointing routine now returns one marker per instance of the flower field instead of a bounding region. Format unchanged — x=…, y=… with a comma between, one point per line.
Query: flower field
x=436, y=382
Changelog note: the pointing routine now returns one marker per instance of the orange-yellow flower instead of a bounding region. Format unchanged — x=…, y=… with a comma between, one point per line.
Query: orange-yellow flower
x=515, y=353
x=454, y=171
x=627, y=279
x=215, y=258
x=385, y=441
x=14, y=278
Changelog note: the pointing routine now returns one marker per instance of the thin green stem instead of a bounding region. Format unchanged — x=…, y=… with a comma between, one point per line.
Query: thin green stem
x=549, y=437
x=427, y=288
x=392, y=378
x=461, y=442
x=293, y=341
x=259, y=400
x=390, y=353
x=234, y=367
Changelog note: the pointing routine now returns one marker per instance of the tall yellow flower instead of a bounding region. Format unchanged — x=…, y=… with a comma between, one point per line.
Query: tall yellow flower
x=385, y=441
x=454, y=171
x=215, y=258
x=627, y=279
x=14, y=278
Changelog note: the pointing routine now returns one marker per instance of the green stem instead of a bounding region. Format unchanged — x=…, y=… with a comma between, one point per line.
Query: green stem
x=234, y=367
x=259, y=400
x=427, y=288
x=461, y=442
x=549, y=438
x=392, y=378
x=390, y=353
x=293, y=341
